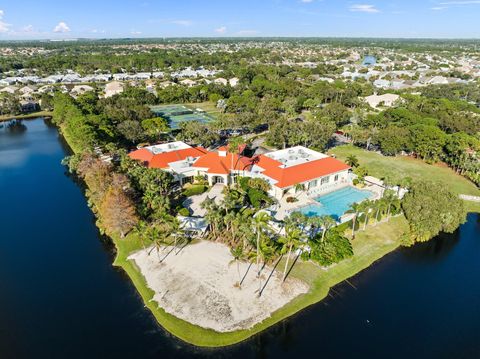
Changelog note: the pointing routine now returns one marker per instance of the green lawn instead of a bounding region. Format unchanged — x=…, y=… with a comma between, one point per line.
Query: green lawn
x=399, y=167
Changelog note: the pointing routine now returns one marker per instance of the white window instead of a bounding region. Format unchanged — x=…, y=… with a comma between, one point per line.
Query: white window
x=325, y=180
x=336, y=178
x=313, y=184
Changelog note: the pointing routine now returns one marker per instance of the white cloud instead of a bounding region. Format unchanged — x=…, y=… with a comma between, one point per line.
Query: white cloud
x=247, y=32
x=306, y=1
x=28, y=28
x=447, y=4
x=364, y=8
x=221, y=30
x=61, y=27
x=4, y=27
x=135, y=32
x=182, y=22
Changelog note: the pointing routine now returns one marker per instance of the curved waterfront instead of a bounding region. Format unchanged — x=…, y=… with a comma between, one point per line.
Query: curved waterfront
x=60, y=296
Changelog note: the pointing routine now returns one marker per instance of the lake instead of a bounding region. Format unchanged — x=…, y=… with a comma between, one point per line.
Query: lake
x=60, y=296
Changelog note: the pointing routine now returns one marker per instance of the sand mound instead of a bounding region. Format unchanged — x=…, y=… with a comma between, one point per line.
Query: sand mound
x=198, y=286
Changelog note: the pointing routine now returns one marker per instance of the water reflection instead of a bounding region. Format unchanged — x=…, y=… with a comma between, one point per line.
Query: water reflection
x=434, y=250
x=15, y=127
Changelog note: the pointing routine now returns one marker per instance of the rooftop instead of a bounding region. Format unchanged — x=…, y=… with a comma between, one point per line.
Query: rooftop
x=295, y=156
x=168, y=147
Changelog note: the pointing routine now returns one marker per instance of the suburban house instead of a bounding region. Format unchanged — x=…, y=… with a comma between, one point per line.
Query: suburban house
x=113, y=88
x=386, y=100
x=80, y=90
x=288, y=171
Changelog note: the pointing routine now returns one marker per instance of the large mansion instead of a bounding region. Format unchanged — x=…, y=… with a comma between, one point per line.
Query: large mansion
x=286, y=170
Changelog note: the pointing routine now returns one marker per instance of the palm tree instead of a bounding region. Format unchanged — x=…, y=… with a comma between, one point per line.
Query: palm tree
x=261, y=225
x=299, y=187
x=237, y=254
x=352, y=161
x=380, y=206
x=405, y=182
x=213, y=216
x=155, y=236
x=292, y=240
x=366, y=207
x=234, y=144
x=326, y=223
x=264, y=253
x=356, y=210
x=141, y=230
x=390, y=198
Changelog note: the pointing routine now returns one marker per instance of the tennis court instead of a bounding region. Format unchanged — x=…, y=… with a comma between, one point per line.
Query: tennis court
x=180, y=113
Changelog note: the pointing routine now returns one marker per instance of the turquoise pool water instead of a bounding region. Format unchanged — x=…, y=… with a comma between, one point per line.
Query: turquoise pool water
x=336, y=203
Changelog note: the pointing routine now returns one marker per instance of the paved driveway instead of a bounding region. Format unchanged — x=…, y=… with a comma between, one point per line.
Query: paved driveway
x=193, y=203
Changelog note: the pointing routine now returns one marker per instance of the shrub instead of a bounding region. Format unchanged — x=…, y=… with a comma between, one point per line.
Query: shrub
x=194, y=190
x=184, y=212
x=258, y=197
x=292, y=199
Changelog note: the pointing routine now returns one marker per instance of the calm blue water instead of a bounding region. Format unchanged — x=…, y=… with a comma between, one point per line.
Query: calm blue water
x=336, y=203
x=60, y=296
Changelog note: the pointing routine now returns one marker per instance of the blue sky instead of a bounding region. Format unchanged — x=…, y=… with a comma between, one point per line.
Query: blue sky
x=164, y=18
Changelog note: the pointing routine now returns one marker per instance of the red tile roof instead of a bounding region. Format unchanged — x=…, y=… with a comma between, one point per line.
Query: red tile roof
x=142, y=154
x=161, y=160
x=221, y=165
x=300, y=173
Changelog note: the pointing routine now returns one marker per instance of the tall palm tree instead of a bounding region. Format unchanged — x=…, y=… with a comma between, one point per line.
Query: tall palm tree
x=326, y=222
x=356, y=210
x=238, y=254
x=380, y=207
x=261, y=225
x=366, y=206
x=234, y=144
x=265, y=254
x=292, y=240
x=389, y=198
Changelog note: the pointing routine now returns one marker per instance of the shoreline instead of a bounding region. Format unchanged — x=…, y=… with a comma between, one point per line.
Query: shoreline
x=369, y=247
x=28, y=116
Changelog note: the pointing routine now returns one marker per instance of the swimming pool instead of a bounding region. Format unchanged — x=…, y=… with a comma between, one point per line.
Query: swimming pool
x=336, y=203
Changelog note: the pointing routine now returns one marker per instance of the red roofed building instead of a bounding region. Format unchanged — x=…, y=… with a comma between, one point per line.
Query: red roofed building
x=175, y=157
x=288, y=168
x=284, y=169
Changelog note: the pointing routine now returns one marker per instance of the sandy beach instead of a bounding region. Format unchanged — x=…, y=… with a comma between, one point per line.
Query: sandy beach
x=198, y=286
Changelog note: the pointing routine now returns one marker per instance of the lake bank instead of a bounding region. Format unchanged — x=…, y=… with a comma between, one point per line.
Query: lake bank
x=28, y=116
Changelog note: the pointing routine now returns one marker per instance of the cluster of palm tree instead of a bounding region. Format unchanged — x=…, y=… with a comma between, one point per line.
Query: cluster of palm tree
x=254, y=236
x=374, y=211
x=164, y=236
